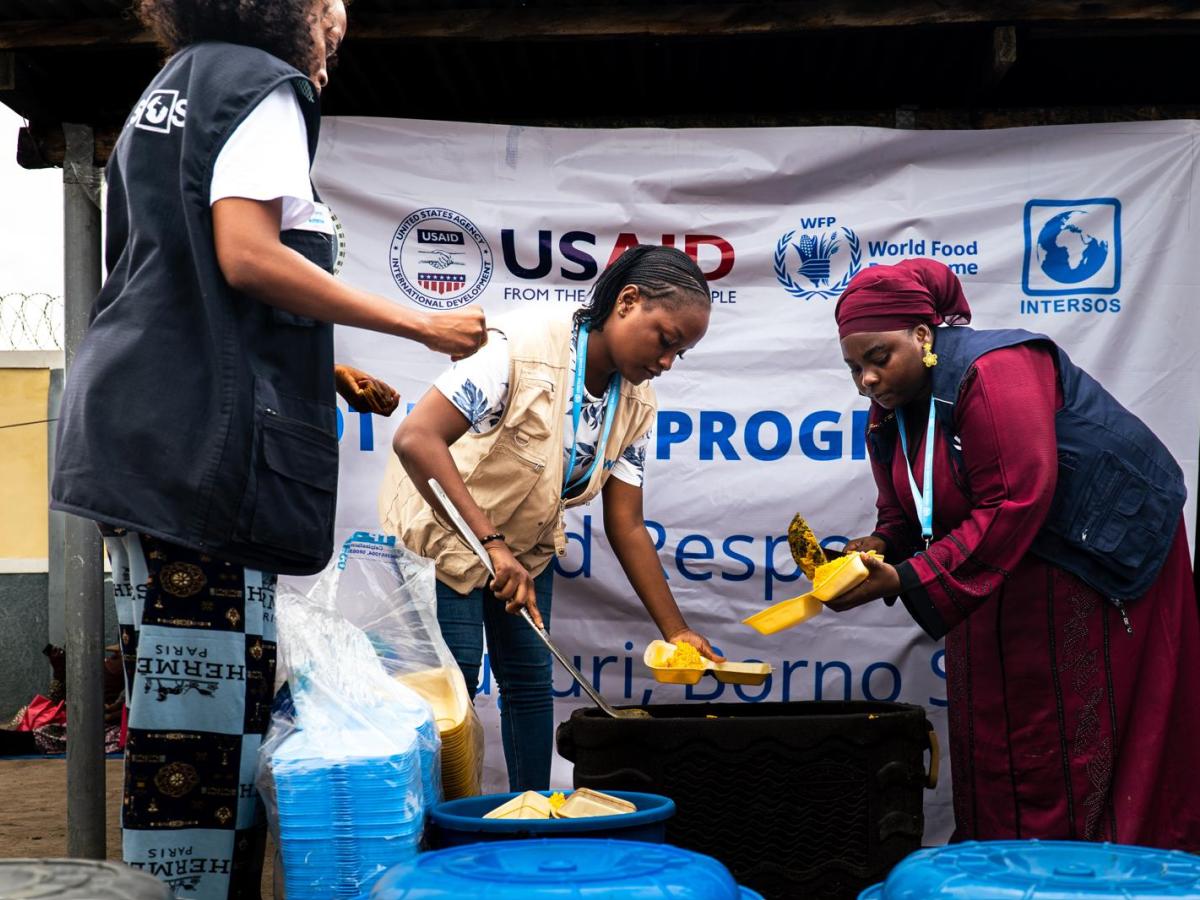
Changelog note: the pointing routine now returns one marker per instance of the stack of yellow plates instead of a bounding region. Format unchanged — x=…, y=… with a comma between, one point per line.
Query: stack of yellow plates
x=458, y=727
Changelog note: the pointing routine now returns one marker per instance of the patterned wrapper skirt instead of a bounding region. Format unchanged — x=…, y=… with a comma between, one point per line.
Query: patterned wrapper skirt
x=198, y=642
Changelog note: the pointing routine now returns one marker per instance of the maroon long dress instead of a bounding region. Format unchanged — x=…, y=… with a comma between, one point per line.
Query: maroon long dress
x=1062, y=724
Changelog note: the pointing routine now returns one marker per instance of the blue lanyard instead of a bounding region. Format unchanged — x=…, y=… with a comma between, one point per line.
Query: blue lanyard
x=924, y=502
x=610, y=408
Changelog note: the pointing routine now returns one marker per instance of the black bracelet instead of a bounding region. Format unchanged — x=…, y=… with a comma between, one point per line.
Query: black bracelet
x=491, y=537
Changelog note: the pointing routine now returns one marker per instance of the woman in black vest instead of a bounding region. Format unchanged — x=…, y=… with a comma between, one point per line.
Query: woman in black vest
x=1036, y=525
x=198, y=422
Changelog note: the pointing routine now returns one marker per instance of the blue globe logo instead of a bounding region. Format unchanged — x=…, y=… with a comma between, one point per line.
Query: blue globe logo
x=1066, y=249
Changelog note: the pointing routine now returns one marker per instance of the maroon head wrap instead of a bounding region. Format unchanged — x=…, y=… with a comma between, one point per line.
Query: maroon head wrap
x=890, y=298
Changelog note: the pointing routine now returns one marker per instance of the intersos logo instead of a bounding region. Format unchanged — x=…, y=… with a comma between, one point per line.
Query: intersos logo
x=159, y=111
x=818, y=259
x=1072, y=247
x=440, y=259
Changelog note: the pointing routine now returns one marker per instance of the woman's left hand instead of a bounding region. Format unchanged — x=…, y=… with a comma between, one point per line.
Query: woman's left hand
x=883, y=581
x=699, y=641
x=365, y=393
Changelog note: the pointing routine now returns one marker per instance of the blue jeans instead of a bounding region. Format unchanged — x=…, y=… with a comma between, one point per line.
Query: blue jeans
x=522, y=666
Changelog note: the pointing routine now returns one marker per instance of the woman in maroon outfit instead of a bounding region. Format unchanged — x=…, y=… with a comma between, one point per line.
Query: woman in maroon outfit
x=1066, y=721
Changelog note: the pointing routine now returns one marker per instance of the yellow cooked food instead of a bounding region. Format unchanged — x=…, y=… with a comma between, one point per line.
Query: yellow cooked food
x=685, y=657
x=557, y=799
x=806, y=550
x=827, y=571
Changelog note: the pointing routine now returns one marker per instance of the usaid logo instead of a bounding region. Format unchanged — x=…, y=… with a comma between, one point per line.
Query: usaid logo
x=159, y=111
x=818, y=259
x=1072, y=247
x=440, y=259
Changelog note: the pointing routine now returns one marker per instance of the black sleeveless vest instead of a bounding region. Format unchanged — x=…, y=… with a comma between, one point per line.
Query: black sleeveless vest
x=192, y=412
x=1119, y=492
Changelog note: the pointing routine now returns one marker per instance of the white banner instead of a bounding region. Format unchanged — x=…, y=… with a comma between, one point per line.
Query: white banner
x=1081, y=232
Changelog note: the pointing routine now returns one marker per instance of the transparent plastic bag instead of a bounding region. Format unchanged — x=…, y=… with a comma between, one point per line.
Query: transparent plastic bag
x=351, y=760
x=390, y=593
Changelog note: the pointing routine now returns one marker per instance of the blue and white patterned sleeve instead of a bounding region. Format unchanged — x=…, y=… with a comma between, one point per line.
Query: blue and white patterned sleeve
x=631, y=467
x=478, y=385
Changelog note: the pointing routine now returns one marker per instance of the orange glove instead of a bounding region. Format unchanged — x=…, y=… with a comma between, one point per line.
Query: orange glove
x=365, y=393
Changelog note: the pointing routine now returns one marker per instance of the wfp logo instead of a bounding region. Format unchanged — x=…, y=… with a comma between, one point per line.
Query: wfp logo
x=440, y=259
x=1072, y=247
x=808, y=265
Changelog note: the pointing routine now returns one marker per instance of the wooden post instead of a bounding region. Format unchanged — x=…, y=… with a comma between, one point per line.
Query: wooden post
x=84, y=569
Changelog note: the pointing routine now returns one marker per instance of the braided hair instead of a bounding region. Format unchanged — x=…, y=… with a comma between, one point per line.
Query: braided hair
x=662, y=274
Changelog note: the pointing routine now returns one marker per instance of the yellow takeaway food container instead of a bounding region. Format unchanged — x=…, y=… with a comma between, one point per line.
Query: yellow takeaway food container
x=829, y=581
x=662, y=658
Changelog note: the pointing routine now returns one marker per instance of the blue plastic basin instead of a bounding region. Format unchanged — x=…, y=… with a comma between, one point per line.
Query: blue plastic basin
x=557, y=869
x=458, y=822
x=1032, y=870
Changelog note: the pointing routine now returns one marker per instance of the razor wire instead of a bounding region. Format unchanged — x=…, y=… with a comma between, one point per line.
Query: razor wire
x=31, y=322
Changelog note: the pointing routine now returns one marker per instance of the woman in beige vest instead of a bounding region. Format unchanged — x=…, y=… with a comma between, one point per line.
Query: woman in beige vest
x=511, y=434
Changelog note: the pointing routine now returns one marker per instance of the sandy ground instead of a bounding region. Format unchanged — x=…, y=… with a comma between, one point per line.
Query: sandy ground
x=33, y=820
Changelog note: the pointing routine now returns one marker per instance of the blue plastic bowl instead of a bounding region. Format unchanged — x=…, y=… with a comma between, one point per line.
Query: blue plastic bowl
x=458, y=822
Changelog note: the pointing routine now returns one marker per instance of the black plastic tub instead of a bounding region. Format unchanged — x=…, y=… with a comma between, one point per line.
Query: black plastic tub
x=811, y=800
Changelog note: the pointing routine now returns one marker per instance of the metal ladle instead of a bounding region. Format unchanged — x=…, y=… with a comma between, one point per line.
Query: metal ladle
x=473, y=542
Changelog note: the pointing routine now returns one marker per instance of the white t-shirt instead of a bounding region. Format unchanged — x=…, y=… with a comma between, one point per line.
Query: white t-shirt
x=478, y=388
x=266, y=158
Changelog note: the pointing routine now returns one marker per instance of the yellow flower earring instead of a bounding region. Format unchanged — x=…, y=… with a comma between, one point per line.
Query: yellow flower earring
x=930, y=358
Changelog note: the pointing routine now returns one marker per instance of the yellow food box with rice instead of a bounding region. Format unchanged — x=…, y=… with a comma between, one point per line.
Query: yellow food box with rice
x=685, y=657
x=837, y=576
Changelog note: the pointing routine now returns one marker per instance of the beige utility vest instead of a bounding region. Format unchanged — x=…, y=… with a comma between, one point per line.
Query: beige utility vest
x=515, y=471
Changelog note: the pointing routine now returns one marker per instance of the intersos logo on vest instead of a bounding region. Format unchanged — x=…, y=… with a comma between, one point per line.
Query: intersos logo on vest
x=159, y=111
x=440, y=259
x=1072, y=253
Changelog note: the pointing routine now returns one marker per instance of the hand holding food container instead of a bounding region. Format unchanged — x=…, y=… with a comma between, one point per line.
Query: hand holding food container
x=852, y=577
x=881, y=581
x=681, y=663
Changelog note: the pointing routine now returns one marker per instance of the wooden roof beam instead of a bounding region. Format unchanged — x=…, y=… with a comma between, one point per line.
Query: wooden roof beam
x=659, y=21
x=72, y=34
x=42, y=145
x=734, y=19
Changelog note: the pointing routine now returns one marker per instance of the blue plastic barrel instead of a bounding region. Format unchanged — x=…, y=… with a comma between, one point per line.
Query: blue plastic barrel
x=1038, y=870
x=564, y=867
x=458, y=822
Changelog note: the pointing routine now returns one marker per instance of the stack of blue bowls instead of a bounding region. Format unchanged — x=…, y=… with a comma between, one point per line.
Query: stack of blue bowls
x=344, y=820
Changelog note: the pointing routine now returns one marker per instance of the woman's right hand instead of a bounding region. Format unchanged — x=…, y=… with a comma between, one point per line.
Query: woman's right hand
x=513, y=584
x=458, y=333
x=870, y=542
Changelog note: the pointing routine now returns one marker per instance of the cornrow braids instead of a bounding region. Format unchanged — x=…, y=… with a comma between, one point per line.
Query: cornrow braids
x=660, y=273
